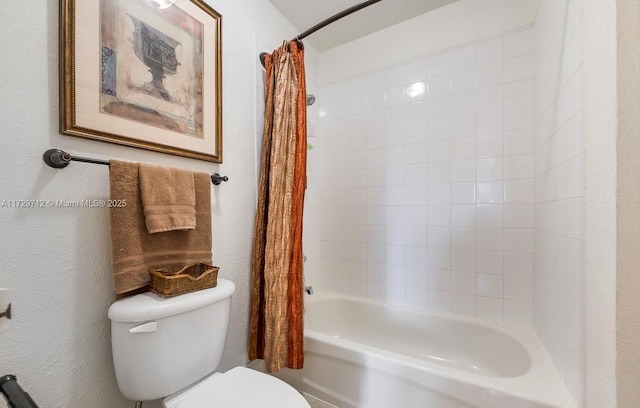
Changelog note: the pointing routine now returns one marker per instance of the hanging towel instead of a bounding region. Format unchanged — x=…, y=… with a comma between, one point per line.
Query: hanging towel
x=134, y=250
x=168, y=198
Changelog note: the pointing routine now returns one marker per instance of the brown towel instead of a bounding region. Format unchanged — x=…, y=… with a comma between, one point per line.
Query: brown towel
x=168, y=198
x=134, y=250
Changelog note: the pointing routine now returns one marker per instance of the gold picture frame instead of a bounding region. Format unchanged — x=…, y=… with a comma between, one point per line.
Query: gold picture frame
x=143, y=73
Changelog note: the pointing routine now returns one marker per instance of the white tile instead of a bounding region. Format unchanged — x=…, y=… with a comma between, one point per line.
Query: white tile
x=416, y=153
x=463, y=193
x=463, y=282
x=518, y=117
x=416, y=194
x=376, y=291
x=438, y=129
x=488, y=238
x=463, y=304
x=416, y=174
x=375, y=101
x=490, y=285
x=415, y=112
x=394, y=135
x=518, y=191
x=439, y=193
x=518, y=68
x=357, y=105
x=489, y=98
x=416, y=91
x=518, y=142
x=518, y=215
x=415, y=256
x=463, y=58
x=376, y=253
x=463, y=148
x=518, y=288
x=395, y=195
x=394, y=96
x=463, y=103
x=489, y=262
x=439, y=215
x=439, y=258
x=439, y=237
x=395, y=254
x=463, y=170
x=463, y=237
x=489, y=122
x=438, y=151
x=416, y=70
x=439, y=107
x=518, y=93
x=417, y=215
x=518, y=166
x=416, y=133
x=489, y=145
x=518, y=264
x=489, y=75
x=439, y=279
x=463, y=81
x=358, y=86
x=490, y=192
x=518, y=239
x=439, y=172
x=518, y=312
x=395, y=215
x=395, y=156
x=463, y=259
x=416, y=277
x=439, y=300
x=463, y=216
x=519, y=43
x=438, y=65
x=341, y=90
x=394, y=76
x=489, y=215
x=438, y=87
x=395, y=294
x=489, y=168
x=464, y=125
x=489, y=51
x=395, y=274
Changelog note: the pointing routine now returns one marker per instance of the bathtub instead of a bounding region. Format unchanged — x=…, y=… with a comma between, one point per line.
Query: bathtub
x=364, y=354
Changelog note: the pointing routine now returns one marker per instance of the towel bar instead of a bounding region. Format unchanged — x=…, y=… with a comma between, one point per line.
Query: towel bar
x=59, y=159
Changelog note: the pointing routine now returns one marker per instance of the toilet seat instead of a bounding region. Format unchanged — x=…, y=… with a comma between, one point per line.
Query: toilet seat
x=239, y=387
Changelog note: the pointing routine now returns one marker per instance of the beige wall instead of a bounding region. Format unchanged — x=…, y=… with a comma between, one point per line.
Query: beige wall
x=628, y=223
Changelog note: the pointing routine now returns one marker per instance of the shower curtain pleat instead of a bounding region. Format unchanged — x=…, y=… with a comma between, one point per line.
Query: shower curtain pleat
x=276, y=327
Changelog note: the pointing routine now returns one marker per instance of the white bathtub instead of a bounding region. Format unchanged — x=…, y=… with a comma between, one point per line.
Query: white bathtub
x=363, y=354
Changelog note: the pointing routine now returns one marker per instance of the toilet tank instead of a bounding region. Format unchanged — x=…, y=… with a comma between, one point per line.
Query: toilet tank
x=161, y=345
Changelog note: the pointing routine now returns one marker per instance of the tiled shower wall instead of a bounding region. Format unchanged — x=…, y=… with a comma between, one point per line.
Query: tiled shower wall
x=559, y=187
x=421, y=183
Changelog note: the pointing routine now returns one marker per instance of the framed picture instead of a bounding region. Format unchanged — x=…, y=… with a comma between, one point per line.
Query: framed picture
x=143, y=73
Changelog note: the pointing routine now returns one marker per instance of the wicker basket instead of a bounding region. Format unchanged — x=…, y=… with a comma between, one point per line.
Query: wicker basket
x=166, y=283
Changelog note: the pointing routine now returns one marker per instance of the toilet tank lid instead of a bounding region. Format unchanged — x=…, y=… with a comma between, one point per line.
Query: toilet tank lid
x=148, y=306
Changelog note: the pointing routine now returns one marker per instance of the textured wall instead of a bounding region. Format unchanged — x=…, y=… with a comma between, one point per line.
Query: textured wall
x=57, y=261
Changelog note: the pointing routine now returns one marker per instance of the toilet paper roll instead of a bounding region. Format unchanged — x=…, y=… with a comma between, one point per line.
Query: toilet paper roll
x=4, y=304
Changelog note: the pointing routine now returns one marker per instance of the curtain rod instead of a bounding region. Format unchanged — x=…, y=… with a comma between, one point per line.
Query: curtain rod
x=59, y=159
x=328, y=21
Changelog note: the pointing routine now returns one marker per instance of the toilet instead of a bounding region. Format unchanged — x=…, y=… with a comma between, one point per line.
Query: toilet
x=169, y=348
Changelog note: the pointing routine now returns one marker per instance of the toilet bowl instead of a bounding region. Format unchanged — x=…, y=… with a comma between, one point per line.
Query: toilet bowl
x=169, y=349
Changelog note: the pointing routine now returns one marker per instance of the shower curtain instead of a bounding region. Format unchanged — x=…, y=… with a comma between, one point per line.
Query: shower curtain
x=277, y=286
